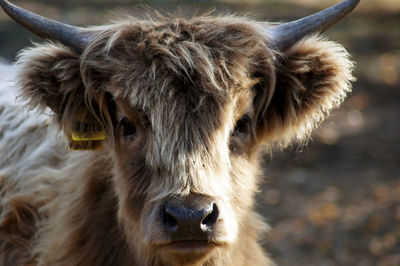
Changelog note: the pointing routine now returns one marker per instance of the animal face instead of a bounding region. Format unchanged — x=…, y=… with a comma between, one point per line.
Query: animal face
x=183, y=109
x=184, y=131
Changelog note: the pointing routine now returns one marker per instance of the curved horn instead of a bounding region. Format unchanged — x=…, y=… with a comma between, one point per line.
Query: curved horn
x=73, y=37
x=287, y=34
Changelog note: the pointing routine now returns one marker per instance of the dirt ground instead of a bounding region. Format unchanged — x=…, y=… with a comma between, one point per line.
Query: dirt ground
x=335, y=201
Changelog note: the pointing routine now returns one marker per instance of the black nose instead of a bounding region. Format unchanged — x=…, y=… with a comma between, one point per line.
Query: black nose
x=192, y=218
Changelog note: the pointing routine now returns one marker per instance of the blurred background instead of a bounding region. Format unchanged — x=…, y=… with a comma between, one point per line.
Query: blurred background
x=335, y=201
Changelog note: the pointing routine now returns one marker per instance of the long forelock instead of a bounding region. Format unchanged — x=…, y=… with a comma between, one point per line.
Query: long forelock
x=215, y=53
x=184, y=74
x=189, y=145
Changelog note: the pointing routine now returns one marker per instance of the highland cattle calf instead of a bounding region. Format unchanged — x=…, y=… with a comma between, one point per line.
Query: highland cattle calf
x=163, y=124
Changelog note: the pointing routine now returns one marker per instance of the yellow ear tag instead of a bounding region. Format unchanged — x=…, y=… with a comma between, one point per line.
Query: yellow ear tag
x=89, y=145
x=86, y=133
x=85, y=136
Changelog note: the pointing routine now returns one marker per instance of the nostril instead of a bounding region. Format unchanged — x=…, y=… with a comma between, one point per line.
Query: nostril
x=168, y=220
x=211, y=219
x=191, y=219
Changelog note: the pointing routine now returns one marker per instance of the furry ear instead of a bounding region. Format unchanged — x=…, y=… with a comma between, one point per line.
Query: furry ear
x=312, y=77
x=50, y=77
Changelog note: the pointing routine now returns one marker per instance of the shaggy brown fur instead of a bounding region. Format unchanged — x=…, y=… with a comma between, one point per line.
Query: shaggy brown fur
x=206, y=96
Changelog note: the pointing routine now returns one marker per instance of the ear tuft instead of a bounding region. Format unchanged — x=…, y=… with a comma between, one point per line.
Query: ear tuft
x=50, y=77
x=48, y=72
x=312, y=78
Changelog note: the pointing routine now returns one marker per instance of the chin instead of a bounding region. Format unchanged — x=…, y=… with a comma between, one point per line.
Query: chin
x=182, y=253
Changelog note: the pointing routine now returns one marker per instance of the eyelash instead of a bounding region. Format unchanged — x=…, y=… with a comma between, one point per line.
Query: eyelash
x=128, y=128
x=242, y=125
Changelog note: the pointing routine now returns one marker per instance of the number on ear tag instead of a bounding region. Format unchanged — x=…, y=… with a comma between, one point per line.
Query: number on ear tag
x=86, y=136
x=86, y=133
x=86, y=145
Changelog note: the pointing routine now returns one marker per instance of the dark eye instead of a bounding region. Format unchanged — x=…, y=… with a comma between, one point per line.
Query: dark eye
x=242, y=125
x=127, y=128
x=241, y=134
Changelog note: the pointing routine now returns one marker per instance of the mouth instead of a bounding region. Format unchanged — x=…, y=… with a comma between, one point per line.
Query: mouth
x=187, y=252
x=190, y=246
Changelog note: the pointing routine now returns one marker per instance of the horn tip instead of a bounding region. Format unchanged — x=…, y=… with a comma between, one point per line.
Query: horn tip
x=286, y=34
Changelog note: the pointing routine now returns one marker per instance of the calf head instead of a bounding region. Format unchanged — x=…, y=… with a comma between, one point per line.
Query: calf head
x=185, y=107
